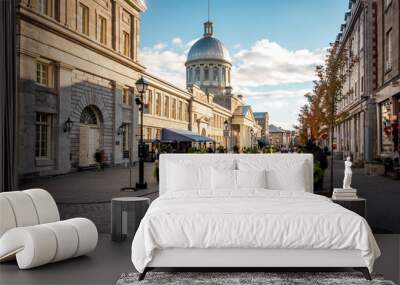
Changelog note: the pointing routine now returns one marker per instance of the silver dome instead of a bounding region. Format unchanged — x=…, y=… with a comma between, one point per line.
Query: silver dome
x=208, y=48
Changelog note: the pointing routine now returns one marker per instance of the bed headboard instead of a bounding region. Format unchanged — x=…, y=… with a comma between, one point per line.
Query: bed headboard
x=283, y=159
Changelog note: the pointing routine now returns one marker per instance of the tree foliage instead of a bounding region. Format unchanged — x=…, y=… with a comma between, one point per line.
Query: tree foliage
x=320, y=113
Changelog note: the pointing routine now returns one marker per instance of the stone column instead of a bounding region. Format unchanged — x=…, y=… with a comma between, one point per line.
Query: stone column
x=63, y=144
x=115, y=25
x=370, y=147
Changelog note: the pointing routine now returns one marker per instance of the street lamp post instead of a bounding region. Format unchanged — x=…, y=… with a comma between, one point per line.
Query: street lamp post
x=141, y=86
x=251, y=137
x=226, y=125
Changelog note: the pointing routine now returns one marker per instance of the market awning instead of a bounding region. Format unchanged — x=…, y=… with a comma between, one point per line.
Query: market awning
x=175, y=135
x=263, y=142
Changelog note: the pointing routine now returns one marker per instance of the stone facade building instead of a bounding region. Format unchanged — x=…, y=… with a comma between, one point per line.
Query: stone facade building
x=279, y=137
x=356, y=134
x=208, y=70
x=262, y=119
x=78, y=64
x=388, y=76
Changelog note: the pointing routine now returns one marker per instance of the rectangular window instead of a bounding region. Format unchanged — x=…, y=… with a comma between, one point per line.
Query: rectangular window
x=148, y=133
x=166, y=106
x=126, y=97
x=388, y=47
x=127, y=44
x=43, y=135
x=186, y=112
x=173, y=107
x=149, y=102
x=158, y=134
x=158, y=104
x=103, y=30
x=125, y=138
x=180, y=110
x=44, y=73
x=46, y=7
x=84, y=19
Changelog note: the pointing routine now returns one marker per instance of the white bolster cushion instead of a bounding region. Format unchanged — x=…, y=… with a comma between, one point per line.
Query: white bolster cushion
x=7, y=218
x=37, y=245
x=45, y=205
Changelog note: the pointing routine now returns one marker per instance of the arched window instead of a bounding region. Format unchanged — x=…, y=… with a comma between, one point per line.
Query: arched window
x=215, y=73
x=197, y=74
x=206, y=73
x=224, y=75
x=88, y=116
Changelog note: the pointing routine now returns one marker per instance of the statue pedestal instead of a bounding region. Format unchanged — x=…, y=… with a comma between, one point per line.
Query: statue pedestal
x=344, y=194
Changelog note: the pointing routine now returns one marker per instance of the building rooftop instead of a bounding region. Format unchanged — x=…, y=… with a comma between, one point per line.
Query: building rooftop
x=275, y=129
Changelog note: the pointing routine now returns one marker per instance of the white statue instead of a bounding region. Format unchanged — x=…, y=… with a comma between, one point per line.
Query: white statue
x=347, y=174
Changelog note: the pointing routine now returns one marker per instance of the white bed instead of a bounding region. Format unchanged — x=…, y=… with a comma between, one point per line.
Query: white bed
x=222, y=225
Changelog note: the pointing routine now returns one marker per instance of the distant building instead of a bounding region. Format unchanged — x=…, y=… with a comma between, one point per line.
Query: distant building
x=388, y=76
x=279, y=137
x=262, y=119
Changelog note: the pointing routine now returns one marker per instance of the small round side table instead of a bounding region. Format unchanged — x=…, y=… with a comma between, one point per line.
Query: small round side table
x=126, y=214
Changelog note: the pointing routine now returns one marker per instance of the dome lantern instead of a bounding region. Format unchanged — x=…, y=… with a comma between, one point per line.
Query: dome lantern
x=208, y=29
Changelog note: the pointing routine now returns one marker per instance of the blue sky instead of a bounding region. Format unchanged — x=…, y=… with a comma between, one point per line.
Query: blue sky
x=274, y=44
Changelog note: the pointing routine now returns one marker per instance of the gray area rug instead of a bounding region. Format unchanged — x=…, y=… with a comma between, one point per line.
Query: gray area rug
x=229, y=278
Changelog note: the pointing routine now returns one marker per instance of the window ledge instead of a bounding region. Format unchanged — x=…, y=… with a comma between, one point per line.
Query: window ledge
x=44, y=88
x=41, y=162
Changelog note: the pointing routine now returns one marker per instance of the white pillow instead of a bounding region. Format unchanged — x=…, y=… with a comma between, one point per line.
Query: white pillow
x=251, y=178
x=189, y=177
x=291, y=179
x=224, y=179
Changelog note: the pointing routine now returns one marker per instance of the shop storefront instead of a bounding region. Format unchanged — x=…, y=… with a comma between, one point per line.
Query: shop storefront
x=389, y=126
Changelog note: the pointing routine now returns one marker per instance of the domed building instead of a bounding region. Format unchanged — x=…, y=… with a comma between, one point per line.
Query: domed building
x=208, y=64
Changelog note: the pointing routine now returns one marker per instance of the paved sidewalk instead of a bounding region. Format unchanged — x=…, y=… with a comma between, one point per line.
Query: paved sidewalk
x=92, y=186
x=382, y=194
x=88, y=193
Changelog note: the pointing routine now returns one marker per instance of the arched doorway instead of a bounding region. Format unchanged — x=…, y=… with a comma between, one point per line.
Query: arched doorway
x=89, y=135
x=203, y=132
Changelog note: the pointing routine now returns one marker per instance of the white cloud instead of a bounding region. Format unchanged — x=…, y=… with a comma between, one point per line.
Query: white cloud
x=159, y=46
x=279, y=93
x=177, y=41
x=268, y=63
x=282, y=105
x=166, y=64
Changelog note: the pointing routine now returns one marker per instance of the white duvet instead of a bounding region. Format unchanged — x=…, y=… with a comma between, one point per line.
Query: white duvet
x=250, y=219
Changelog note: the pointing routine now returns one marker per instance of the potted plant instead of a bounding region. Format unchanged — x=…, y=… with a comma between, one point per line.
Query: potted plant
x=99, y=157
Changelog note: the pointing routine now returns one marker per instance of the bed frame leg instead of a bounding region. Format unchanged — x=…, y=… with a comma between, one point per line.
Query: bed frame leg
x=143, y=274
x=364, y=271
